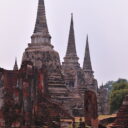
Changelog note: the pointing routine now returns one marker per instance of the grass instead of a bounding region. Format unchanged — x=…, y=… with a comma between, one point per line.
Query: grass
x=101, y=117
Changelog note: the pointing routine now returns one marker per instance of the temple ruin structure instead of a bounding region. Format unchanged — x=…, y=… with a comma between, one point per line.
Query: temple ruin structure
x=43, y=90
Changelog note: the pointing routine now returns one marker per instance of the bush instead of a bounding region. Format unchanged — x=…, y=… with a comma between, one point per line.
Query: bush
x=119, y=91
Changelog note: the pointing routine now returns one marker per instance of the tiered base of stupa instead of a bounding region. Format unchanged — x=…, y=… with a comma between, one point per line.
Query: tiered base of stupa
x=44, y=55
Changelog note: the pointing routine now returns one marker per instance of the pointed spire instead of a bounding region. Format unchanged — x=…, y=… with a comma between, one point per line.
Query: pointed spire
x=71, y=48
x=41, y=33
x=15, y=68
x=87, y=61
x=41, y=22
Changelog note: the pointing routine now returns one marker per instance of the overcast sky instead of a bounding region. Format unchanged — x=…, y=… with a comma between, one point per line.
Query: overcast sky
x=105, y=21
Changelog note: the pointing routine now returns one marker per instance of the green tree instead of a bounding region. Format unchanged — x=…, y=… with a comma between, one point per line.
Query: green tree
x=108, y=85
x=117, y=94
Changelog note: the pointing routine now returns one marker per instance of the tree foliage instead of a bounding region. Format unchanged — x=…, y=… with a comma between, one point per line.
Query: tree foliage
x=117, y=94
x=108, y=85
